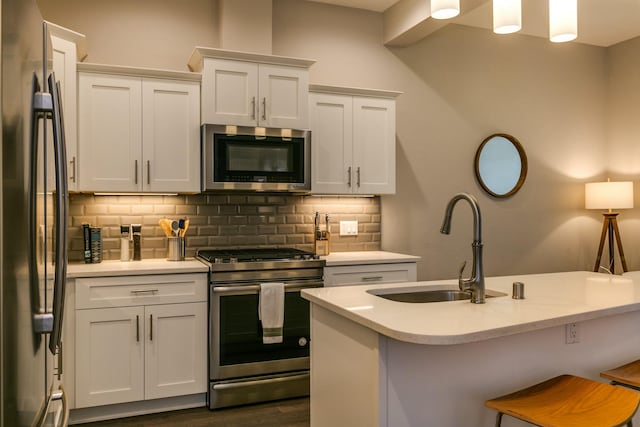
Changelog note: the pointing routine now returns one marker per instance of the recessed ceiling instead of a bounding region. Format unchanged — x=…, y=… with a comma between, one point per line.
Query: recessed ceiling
x=374, y=5
x=600, y=22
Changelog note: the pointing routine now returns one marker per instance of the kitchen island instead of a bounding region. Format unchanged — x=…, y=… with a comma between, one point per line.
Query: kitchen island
x=377, y=362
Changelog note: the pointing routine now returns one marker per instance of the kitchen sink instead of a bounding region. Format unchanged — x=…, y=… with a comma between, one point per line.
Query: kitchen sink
x=424, y=294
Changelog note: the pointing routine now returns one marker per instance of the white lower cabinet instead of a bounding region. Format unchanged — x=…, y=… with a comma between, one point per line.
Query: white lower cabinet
x=146, y=348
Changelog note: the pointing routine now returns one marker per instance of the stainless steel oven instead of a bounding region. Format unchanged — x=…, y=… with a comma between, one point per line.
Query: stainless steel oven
x=241, y=368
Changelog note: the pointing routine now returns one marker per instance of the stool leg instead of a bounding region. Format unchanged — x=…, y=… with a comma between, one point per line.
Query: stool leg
x=630, y=423
x=499, y=419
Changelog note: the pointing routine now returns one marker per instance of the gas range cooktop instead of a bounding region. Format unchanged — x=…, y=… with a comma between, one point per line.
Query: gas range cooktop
x=230, y=256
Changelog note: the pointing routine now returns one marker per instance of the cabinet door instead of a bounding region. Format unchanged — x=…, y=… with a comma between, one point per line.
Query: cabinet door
x=109, y=133
x=229, y=92
x=109, y=356
x=331, y=123
x=374, y=140
x=171, y=136
x=283, y=97
x=175, y=350
x=64, y=67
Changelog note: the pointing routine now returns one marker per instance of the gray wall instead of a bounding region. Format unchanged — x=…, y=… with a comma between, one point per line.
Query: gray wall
x=460, y=85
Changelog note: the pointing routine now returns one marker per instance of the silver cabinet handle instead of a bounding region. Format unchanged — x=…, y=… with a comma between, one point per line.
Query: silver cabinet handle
x=151, y=327
x=253, y=108
x=148, y=171
x=371, y=278
x=358, y=176
x=349, y=176
x=137, y=328
x=135, y=172
x=137, y=292
x=264, y=108
x=73, y=169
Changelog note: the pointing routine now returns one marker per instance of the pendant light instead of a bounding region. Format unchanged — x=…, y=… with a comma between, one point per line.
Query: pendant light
x=563, y=20
x=507, y=16
x=445, y=9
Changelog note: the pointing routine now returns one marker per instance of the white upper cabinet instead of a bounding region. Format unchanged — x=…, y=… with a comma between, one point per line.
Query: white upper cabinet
x=171, y=135
x=353, y=141
x=68, y=47
x=110, y=133
x=252, y=90
x=138, y=133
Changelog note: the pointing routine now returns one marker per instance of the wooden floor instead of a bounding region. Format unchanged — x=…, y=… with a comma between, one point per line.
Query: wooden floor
x=284, y=413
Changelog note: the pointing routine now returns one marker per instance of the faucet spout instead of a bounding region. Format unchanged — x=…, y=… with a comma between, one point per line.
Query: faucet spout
x=475, y=283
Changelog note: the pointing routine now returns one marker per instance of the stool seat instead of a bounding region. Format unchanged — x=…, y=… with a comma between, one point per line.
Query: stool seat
x=568, y=400
x=628, y=375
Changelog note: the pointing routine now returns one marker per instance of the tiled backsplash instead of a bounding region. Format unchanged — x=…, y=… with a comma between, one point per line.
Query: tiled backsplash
x=223, y=221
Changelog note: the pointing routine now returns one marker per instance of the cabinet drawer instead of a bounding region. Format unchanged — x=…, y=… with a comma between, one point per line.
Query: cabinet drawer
x=140, y=290
x=370, y=274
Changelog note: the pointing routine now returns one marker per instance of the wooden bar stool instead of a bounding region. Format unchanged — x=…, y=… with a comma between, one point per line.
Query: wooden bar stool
x=569, y=401
x=626, y=375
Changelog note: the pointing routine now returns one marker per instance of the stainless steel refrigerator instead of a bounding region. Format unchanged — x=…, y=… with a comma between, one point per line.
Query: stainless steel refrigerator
x=34, y=203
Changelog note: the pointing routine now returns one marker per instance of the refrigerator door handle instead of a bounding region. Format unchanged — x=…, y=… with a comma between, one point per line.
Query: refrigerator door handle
x=42, y=322
x=59, y=394
x=61, y=209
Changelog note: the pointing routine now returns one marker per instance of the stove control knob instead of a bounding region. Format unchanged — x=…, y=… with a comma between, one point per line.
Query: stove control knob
x=218, y=260
x=233, y=259
x=302, y=342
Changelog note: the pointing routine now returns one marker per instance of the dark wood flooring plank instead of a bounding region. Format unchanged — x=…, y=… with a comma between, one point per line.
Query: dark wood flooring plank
x=284, y=413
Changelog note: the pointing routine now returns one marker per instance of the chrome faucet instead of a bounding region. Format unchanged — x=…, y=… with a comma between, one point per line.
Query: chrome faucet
x=475, y=283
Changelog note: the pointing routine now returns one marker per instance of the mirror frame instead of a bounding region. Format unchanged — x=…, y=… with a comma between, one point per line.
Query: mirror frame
x=523, y=165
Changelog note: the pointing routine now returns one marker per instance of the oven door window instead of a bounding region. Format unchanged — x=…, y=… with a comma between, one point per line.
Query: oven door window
x=241, y=330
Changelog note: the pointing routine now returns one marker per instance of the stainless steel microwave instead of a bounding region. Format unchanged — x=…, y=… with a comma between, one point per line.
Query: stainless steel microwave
x=255, y=159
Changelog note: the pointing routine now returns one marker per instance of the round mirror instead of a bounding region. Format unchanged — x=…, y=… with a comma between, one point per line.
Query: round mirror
x=501, y=165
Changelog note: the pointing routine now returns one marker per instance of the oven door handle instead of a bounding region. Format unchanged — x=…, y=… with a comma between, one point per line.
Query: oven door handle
x=246, y=289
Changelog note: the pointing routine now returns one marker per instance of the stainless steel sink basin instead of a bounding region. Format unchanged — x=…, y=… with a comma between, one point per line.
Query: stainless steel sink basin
x=426, y=294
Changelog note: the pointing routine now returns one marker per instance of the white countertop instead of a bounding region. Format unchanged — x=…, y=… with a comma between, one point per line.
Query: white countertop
x=550, y=300
x=147, y=266
x=366, y=257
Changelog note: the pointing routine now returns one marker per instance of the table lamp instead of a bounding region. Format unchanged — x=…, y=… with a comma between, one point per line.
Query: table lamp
x=609, y=195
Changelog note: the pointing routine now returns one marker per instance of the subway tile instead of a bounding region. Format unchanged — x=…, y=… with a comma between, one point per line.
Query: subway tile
x=96, y=209
x=207, y=209
x=224, y=221
x=164, y=209
x=238, y=220
x=228, y=209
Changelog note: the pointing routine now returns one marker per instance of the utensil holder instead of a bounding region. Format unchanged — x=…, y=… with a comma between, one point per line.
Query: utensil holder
x=176, y=249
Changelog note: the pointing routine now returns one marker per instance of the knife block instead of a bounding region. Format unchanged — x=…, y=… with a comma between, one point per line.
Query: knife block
x=322, y=242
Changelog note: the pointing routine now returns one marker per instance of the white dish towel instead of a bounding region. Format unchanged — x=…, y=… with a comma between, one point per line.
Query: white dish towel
x=271, y=312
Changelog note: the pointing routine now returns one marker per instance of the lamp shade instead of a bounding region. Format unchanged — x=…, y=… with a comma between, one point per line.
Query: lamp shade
x=507, y=16
x=445, y=9
x=608, y=195
x=563, y=20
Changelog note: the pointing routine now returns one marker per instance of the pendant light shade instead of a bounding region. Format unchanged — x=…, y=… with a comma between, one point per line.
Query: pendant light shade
x=507, y=16
x=563, y=20
x=445, y=9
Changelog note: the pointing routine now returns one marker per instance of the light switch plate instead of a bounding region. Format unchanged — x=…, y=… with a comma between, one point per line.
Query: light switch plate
x=348, y=228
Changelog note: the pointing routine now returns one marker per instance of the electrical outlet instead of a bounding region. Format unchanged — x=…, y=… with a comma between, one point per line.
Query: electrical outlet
x=571, y=333
x=348, y=228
